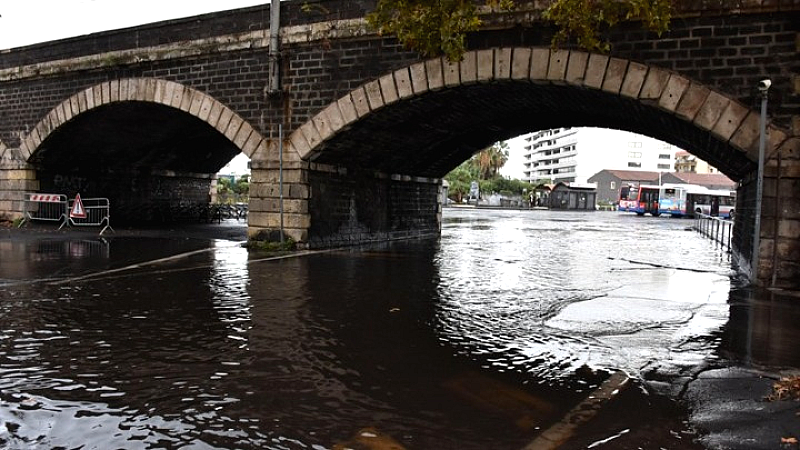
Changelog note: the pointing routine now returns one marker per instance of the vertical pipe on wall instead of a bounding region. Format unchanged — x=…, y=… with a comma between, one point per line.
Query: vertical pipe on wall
x=274, y=44
x=280, y=174
x=763, y=87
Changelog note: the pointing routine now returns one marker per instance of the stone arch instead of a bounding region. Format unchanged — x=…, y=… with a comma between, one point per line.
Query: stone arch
x=154, y=90
x=714, y=112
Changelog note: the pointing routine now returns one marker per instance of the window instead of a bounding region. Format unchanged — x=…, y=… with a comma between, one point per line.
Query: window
x=634, y=164
x=663, y=156
x=613, y=185
x=664, y=166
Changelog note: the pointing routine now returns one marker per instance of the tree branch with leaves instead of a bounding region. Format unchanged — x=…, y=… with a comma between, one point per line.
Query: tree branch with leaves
x=440, y=27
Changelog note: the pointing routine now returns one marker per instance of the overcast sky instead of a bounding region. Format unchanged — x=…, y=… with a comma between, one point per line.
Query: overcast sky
x=24, y=22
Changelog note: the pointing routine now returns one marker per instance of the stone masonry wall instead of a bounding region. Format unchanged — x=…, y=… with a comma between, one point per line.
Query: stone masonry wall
x=356, y=208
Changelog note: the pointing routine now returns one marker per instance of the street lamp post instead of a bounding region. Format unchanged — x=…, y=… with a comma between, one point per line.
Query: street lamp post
x=763, y=87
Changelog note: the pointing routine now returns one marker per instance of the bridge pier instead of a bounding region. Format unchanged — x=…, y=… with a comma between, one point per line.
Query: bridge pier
x=779, y=249
x=16, y=178
x=330, y=206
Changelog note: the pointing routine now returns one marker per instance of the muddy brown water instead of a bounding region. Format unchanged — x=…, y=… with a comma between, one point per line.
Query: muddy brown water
x=480, y=339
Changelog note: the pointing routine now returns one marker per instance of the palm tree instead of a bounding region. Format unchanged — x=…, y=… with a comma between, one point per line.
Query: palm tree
x=491, y=159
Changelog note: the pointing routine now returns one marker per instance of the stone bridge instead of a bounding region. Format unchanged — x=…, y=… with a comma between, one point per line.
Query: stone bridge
x=146, y=116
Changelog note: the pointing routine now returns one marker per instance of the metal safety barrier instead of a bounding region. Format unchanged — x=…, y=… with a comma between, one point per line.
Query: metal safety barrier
x=716, y=229
x=45, y=207
x=96, y=213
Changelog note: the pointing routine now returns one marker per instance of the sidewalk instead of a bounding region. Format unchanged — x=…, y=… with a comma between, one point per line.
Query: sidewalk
x=730, y=409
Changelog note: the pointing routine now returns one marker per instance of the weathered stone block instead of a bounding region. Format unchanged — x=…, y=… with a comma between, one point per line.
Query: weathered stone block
x=692, y=100
x=433, y=68
x=521, y=63
x=576, y=68
x=595, y=71
x=502, y=57
x=388, y=89
x=359, y=97
x=540, y=63
x=485, y=60
x=729, y=121
x=419, y=79
x=374, y=98
x=654, y=84
x=557, y=69
x=615, y=74
x=676, y=86
x=634, y=80
x=469, y=68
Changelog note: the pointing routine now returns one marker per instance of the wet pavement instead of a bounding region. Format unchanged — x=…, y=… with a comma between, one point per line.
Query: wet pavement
x=486, y=338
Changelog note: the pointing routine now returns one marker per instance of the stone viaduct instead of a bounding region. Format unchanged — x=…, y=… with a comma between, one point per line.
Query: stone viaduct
x=146, y=116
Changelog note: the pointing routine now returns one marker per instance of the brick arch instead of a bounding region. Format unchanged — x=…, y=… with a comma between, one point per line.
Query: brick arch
x=723, y=117
x=154, y=90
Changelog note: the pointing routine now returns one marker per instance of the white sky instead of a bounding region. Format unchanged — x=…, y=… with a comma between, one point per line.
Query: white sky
x=25, y=22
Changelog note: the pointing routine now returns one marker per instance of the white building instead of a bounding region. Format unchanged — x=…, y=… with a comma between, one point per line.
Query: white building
x=575, y=154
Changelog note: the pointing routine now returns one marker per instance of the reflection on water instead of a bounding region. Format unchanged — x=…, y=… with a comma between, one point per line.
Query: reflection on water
x=477, y=340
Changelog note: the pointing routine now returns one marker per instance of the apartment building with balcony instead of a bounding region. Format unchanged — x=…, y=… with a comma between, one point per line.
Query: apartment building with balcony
x=575, y=154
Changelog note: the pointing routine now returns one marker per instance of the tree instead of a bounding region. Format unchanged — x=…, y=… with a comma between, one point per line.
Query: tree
x=435, y=28
x=585, y=21
x=431, y=28
x=491, y=160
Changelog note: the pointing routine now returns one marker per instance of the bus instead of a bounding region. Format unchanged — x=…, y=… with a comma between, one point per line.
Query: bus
x=716, y=203
x=685, y=200
x=627, y=197
x=647, y=201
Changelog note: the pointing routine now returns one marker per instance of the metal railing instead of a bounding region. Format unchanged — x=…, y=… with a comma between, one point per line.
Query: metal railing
x=716, y=229
x=97, y=214
x=45, y=207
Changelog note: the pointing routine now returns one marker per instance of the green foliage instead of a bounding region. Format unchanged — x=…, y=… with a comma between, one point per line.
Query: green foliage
x=484, y=167
x=432, y=28
x=435, y=28
x=233, y=190
x=585, y=21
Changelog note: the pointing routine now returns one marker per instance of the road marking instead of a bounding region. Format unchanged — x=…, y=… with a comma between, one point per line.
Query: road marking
x=558, y=434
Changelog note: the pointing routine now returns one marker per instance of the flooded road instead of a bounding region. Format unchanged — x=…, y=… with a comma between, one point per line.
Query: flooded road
x=481, y=339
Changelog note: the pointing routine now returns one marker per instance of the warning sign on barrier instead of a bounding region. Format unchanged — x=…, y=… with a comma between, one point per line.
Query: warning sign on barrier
x=77, y=211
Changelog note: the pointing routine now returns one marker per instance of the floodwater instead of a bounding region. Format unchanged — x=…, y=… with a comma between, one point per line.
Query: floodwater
x=479, y=340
